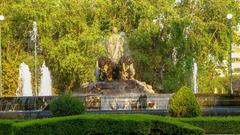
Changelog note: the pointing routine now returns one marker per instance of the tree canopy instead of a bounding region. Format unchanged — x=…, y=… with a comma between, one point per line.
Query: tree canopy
x=163, y=37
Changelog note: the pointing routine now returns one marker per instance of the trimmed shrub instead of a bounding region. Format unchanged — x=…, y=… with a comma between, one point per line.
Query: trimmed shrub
x=106, y=124
x=66, y=105
x=6, y=127
x=184, y=104
x=121, y=124
x=216, y=125
x=171, y=127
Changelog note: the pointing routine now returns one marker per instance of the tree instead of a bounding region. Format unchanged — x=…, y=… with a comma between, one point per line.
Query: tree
x=164, y=37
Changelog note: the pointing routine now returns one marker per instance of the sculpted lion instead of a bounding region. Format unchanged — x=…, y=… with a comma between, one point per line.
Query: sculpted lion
x=105, y=68
x=126, y=69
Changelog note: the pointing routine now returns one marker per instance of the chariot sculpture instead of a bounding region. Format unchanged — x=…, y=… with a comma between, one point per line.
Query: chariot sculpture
x=117, y=65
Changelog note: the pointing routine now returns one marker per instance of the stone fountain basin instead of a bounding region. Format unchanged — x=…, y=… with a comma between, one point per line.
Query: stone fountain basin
x=130, y=101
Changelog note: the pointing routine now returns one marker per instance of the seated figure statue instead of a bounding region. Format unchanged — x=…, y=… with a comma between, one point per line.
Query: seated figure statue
x=126, y=69
x=114, y=46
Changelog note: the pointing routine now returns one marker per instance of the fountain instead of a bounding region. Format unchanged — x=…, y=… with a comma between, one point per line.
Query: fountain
x=25, y=84
x=238, y=28
x=33, y=39
x=25, y=101
x=195, y=68
x=178, y=1
x=116, y=87
x=46, y=82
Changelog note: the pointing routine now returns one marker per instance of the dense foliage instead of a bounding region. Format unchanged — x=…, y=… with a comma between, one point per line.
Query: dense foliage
x=72, y=35
x=184, y=104
x=105, y=124
x=67, y=105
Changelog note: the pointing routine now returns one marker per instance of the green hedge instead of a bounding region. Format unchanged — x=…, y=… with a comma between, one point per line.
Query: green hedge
x=216, y=125
x=6, y=127
x=121, y=124
x=105, y=124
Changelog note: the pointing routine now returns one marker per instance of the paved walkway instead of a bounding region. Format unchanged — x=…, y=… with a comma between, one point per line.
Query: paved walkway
x=210, y=111
x=221, y=111
x=42, y=114
x=222, y=134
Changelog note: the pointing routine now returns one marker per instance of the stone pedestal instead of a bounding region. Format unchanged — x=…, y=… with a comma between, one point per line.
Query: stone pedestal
x=118, y=87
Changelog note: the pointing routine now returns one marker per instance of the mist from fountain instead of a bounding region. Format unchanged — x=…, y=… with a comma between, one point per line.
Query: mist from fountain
x=25, y=84
x=46, y=82
x=195, y=69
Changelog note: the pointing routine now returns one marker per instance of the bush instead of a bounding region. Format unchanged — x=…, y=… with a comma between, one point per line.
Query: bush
x=184, y=104
x=109, y=124
x=216, y=125
x=6, y=127
x=67, y=105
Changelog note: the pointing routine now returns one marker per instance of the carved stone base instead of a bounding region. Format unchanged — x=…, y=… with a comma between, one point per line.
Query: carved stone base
x=117, y=87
